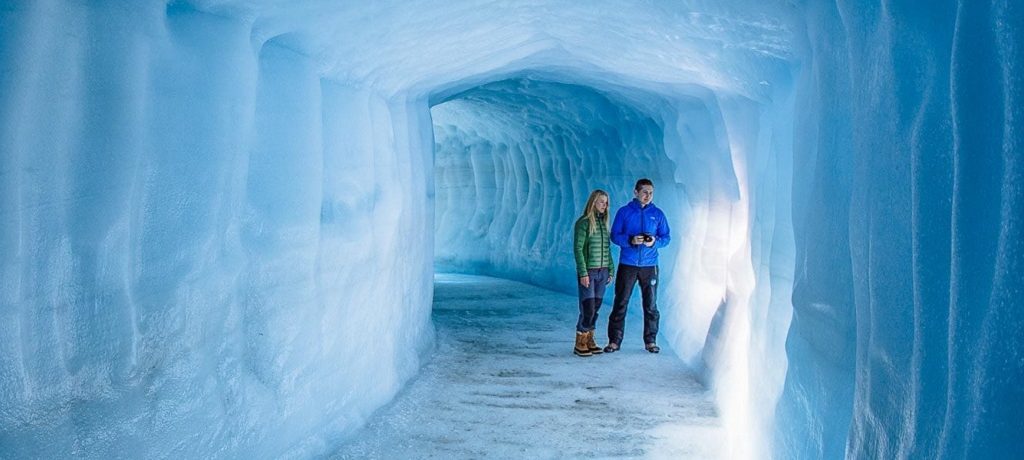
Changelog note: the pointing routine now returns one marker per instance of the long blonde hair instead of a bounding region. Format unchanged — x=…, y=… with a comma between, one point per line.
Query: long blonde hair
x=590, y=213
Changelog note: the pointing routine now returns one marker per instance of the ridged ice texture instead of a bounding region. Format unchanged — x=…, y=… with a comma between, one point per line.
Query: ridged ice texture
x=908, y=332
x=514, y=164
x=215, y=215
x=200, y=255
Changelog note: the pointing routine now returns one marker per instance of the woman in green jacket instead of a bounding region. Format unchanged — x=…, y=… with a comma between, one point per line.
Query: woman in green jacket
x=594, y=268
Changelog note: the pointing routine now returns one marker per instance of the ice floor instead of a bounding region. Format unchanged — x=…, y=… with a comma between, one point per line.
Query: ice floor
x=503, y=383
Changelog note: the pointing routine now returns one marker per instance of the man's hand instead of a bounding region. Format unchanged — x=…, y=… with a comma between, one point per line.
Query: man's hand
x=636, y=240
x=585, y=281
x=650, y=243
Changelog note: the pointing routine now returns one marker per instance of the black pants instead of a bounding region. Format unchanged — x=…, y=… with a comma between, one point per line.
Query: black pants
x=625, y=279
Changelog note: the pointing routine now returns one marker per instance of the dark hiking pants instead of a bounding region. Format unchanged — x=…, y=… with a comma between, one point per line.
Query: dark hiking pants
x=591, y=298
x=625, y=279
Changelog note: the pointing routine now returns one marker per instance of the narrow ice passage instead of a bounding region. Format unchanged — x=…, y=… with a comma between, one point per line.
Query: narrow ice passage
x=220, y=221
x=503, y=383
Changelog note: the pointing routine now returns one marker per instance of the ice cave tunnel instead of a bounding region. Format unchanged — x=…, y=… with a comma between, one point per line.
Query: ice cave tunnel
x=262, y=229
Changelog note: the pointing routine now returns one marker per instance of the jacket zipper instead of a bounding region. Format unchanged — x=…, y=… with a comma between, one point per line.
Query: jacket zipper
x=640, y=253
x=602, y=230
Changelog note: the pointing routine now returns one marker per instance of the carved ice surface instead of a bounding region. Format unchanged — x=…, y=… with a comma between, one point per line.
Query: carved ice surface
x=219, y=219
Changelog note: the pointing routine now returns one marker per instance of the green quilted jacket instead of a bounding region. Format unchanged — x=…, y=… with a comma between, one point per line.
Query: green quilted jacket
x=593, y=250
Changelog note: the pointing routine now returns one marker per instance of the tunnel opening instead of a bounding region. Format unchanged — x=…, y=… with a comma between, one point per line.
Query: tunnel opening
x=515, y=159
x=514, y=162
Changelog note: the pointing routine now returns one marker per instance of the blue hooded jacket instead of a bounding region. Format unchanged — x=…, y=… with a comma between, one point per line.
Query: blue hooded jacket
x=631, y=220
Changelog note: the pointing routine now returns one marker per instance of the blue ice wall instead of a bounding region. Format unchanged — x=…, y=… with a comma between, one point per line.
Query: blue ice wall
x=185, y=217
x=907, y=328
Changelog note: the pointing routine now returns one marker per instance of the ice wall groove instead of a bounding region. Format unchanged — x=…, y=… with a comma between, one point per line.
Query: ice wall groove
x=179, y=294
x=986, y=237
x=924, y=267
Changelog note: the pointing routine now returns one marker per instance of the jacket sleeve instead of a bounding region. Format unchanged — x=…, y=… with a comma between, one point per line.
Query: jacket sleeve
x=619, y=236
x=664, y=234
x=579, y=239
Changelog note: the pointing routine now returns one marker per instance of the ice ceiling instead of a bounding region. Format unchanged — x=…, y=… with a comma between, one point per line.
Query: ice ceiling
x=428, y=49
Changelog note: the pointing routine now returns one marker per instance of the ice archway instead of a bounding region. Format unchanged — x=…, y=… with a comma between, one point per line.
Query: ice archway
x=213, y=211
x=516, y=159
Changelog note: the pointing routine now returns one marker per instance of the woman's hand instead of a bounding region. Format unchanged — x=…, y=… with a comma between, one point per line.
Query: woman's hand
x=585, y=281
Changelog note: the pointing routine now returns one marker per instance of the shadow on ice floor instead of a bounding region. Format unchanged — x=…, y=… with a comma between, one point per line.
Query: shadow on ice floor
x=503, y=383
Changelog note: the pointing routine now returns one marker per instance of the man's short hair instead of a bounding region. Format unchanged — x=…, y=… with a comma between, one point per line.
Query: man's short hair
x=643, y=182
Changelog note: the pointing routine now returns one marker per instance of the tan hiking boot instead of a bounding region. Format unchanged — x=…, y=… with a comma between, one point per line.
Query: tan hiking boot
x=581, y=348
x=591, y=345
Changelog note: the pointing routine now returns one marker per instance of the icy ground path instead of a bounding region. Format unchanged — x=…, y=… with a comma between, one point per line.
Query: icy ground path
x=503, y=383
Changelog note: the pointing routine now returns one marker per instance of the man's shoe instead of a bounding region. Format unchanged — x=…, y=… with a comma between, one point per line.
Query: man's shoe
x=591, y=345
x=653, y=347
x=581, y=345
x=611, y=348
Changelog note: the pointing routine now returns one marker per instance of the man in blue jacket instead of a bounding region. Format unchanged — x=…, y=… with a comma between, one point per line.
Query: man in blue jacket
x=639, y=228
